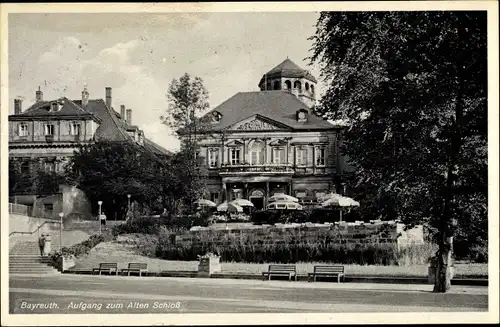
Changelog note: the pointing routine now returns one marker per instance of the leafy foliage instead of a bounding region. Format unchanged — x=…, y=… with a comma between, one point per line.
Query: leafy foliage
x=412, y=87
x=108, y=171
x=37, y=180
x=187, y=99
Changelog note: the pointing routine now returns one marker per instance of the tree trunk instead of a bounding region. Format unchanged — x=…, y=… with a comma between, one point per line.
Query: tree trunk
x=443, y=270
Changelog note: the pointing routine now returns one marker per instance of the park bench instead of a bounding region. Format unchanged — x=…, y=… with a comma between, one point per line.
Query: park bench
x=280, y=270
x=327, y=271
x=106, y=267
x=136, y=267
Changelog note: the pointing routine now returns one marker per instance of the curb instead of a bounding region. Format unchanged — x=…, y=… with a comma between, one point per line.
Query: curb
x=348, y=279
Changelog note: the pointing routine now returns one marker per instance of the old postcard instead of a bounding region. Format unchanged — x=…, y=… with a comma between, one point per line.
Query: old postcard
x=250, y=163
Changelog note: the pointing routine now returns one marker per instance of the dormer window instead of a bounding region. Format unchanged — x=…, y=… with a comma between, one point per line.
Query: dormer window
x=216, y=117
x=302, y=115
x=55, y=106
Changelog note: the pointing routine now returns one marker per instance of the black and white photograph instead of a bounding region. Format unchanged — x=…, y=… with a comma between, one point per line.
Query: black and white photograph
x=249, y=163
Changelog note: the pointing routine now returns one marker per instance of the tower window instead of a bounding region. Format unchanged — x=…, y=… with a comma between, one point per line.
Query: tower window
x=277, y=85
x=307, y=86
x=288, y=85
x=268, y=85
x=312, y=89
x=297, y=85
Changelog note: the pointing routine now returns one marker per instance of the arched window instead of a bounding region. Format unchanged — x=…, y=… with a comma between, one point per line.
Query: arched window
x=297, y=85
x=312, y=88
x=288, y=85
x=307, y=86
x=277, y=85
x=256, y=152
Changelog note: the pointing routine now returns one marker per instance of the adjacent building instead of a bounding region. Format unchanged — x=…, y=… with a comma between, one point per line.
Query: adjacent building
x=266, y=142
x=49, y=131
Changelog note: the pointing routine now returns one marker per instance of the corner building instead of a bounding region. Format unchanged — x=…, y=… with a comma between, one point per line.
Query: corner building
x=270, y=141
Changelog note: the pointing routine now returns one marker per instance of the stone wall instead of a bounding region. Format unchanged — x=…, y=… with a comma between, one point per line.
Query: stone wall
x=340, y=233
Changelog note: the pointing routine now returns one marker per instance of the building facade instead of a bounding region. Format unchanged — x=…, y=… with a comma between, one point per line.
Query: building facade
x=266, y=142
x=47, y=133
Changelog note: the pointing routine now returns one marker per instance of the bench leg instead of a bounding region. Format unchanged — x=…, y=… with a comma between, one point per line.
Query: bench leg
x=269, y=276
x=315, y=278
x=338, y=279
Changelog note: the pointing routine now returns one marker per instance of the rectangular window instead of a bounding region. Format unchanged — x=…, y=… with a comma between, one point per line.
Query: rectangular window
x=214, y=197
x=235, y=156
x=279, y=156
x=301, y=157
x=49, y=129
x=213, y=158
x=25, y=168
x=23, y=129
x=320, y=156
x=74, y=129
x=50, y=165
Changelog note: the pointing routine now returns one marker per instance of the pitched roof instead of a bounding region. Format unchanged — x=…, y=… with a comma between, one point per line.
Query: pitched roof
x=288, y=69
x=111, y=128
x=152, y=146
x=277, y=106
x=43, y=108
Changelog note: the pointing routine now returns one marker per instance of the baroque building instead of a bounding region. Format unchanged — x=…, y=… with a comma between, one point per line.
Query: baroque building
x=47, y=133
x=266, y=142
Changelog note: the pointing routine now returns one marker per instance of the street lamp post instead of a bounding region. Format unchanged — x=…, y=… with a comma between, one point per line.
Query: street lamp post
x=61, y=215
x=100, y=224
x=128, y=206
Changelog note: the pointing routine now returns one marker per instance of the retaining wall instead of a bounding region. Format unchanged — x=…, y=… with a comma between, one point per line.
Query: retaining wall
x=342, y=233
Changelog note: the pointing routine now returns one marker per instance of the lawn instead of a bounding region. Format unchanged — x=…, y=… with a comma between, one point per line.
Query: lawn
x=123, y=253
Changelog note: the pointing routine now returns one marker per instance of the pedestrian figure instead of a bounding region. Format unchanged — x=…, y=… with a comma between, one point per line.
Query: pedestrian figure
x=102, y=217
x=41, y=243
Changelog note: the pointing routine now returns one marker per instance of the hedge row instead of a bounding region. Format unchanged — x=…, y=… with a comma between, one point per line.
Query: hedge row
x=363, y=254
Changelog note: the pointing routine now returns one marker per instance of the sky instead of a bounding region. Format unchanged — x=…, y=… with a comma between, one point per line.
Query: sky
x=139, y=54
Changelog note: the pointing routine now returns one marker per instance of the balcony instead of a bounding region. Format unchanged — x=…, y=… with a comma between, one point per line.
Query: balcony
x=243, y=169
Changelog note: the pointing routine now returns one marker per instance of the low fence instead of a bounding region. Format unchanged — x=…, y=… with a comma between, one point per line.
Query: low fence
x=20, y=209
x=24, y=210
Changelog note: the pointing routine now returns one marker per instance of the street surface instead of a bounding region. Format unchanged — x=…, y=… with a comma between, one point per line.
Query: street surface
x=110, y=294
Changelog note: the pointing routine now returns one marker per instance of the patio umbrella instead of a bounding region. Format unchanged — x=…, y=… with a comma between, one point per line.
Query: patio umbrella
x=205, y=203
x=242, y=203
x=283, y=197
x=284, y=205
x=337, y=200
x=231, y=207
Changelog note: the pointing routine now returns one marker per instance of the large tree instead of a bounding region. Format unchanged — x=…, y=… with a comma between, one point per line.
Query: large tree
x=109, y=171
x=187, y=99
x=412, y=87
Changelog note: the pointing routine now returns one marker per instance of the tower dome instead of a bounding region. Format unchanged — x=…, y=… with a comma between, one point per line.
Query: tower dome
x=288, y=76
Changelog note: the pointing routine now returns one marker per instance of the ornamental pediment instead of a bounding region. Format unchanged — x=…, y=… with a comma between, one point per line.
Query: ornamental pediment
x=258, y=123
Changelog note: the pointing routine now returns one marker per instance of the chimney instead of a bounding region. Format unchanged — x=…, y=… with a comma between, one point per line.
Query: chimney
x=85, y=96
x=39, y=95
x=129, y=116
x=122, y=111
x=18, y=106
x=108, y=97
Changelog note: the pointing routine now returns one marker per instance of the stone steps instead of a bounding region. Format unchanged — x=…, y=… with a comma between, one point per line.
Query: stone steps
x=25, y=258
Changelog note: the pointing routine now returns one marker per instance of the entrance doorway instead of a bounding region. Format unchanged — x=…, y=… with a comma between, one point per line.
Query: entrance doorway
x=257, y=198
x=258, y=202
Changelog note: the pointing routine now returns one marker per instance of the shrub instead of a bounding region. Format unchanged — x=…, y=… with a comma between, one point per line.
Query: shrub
x=83, y=247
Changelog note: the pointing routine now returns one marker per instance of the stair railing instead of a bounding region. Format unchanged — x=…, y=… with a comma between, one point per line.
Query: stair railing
x=38, y=228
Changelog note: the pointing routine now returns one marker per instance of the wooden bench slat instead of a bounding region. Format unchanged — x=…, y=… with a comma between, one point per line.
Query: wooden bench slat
x=327, y=271
x=286, y=270
x=107, y=266
x=138, y=267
